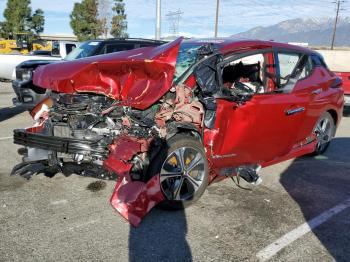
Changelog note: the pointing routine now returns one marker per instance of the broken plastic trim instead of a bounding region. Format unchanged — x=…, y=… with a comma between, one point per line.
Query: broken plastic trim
x=60, y=144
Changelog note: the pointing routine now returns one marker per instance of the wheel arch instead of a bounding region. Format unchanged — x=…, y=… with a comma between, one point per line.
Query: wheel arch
x=183, y=128
x=334, y=115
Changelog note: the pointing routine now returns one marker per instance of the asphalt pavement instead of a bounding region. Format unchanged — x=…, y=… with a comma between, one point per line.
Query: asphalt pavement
x=301, y=212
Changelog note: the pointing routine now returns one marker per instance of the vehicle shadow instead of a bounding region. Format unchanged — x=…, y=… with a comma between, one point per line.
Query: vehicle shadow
x=9, y=112
x=318, y=184
x=161, y=236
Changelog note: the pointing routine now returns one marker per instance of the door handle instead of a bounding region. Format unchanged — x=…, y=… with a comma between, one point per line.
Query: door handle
x=293, y=111
x=317, y=91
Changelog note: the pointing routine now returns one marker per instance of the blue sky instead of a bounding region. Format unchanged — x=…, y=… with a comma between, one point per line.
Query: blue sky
x=198, y=17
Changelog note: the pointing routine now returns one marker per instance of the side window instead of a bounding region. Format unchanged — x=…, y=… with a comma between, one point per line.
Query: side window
x=110, y=48
x=55, y=48
x=287, y=64
x=246, y=74
x=307, y=70
x=146, y=45
x=292, y=67
x=69, y=48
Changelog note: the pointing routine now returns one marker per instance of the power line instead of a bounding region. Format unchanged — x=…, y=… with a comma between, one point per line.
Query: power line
x=174, y=19
x=338, y=9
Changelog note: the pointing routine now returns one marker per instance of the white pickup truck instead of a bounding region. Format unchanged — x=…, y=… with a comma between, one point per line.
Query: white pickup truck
x=8, y=62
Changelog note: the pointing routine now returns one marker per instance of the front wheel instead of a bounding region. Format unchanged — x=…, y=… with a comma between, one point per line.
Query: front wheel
x=324, y=130
x=183, y=170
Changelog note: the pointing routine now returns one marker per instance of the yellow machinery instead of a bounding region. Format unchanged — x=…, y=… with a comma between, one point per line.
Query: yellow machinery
x=24, y=43
x=7, y=46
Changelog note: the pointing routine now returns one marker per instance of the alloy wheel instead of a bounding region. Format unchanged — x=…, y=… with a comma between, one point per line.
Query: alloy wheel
x=182, y=173
x=324, y=133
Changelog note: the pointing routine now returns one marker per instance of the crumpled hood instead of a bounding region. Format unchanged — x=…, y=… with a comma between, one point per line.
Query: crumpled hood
x=138, y=77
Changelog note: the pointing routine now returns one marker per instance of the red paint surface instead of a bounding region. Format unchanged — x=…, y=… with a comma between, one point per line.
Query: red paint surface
x=259, y=131
x=133, y=200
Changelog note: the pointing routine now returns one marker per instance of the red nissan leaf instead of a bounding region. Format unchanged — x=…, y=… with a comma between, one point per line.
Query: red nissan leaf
x=165, y=122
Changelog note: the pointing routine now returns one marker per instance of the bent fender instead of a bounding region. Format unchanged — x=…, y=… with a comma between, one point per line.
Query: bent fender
x=133, y=200
x=138, y=77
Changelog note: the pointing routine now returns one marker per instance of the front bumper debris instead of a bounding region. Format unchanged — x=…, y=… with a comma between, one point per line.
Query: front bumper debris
x=28, y=169
x=132, y=199
x=60, y=144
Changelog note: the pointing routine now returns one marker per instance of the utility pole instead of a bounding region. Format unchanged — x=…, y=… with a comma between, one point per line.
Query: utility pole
x=338, y=3
x=158, y=15
x=216, y=18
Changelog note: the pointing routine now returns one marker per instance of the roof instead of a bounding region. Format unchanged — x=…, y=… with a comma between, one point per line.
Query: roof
x=229, y=44
x=138, y=40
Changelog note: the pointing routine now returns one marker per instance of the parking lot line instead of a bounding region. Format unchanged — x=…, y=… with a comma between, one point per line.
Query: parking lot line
x=59, y=202
x=271, y=250
x=5, y=138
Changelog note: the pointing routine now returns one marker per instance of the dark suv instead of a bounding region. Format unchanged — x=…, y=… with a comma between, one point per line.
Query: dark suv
x=28, y=94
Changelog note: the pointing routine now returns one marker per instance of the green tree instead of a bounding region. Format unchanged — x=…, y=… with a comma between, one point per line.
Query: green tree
x=37, y=21
x=4, y=30
x=119, y=24
x=17, y=16
x=84, y=21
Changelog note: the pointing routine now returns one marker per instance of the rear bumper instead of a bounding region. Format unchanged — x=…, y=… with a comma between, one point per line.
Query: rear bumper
x=60, y=144
x=347, y=100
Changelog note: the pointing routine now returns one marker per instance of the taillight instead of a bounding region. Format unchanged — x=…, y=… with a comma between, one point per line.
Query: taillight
x=337, y=83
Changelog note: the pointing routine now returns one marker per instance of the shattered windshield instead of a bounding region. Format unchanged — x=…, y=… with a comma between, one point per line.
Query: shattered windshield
x=186, y=57
x=85, y=50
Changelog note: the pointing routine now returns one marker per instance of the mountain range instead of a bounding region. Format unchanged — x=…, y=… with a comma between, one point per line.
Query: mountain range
x=314, y=31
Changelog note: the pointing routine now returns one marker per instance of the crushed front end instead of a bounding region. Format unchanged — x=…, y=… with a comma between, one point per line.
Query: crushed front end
x=112, y=118
x=93, y=135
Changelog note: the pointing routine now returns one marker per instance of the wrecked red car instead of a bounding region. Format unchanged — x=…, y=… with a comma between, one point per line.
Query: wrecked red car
x=167, y=121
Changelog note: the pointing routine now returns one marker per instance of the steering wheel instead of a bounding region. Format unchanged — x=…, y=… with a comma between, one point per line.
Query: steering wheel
x=244, y=88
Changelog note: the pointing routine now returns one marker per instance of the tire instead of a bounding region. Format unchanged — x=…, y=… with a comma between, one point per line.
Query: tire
x=325, y=131
x=181, y=186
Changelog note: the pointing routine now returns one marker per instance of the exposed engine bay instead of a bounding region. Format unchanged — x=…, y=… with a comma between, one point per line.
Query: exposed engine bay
x=84, y=128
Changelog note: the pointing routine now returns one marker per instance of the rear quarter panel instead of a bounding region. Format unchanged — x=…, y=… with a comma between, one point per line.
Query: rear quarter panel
x=345, y=76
